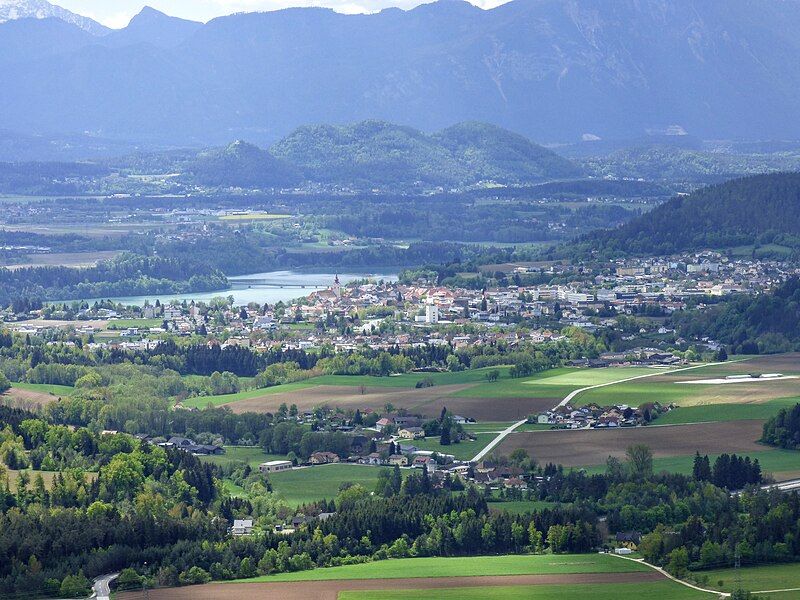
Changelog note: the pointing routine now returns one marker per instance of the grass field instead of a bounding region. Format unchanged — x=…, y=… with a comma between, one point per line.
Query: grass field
x=410, y=380
x=134, y=323
x=726, y=412
x=466, y=566
x=204, y=401
x=666, y=389
x=251, y=455
x=47, y=476
x=463, y=450
x=767, y=577
x=44, y=388
x=302, y=486
x=783, y=464
x=518, y=507
x=661, y=590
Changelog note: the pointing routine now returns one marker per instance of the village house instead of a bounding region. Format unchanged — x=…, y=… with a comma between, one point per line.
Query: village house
x=398, y=459
x=324, y=458
x=411, y=433
x=242, y=527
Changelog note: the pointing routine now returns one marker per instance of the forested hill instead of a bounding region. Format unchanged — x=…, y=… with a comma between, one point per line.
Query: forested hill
x=762, y=324
x=763, y=209
x=380, y=153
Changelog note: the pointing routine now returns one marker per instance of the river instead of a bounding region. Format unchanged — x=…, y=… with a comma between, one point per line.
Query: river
x=265, y=288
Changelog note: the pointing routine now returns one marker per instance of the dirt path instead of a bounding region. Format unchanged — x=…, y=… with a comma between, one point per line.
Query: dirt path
x=329, y=590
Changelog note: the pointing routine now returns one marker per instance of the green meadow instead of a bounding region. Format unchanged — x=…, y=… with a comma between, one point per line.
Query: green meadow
x=661, y=590
x=783, y=464
x=463, y=450
x=45, y=388
x=767, y=577
x=726, y=412
x=204, y=401
x=303, y=486
x=522, y=564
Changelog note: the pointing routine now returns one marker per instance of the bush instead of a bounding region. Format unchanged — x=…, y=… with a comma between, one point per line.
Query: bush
x=75, y=586
x=194, y=575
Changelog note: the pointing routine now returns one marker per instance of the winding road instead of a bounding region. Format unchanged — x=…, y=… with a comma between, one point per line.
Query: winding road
x=569, y=397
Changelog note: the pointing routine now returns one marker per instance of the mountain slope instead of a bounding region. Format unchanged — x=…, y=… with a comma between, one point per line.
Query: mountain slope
x=11, y=10
x=380, y=153
x=552, y=70
x=760, y=209
x=151, y=26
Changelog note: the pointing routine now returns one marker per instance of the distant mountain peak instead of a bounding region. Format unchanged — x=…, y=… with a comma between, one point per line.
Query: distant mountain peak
x=11, y=10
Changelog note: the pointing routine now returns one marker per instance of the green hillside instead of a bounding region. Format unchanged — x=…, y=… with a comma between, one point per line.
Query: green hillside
x=380, y=153
x=757, y=210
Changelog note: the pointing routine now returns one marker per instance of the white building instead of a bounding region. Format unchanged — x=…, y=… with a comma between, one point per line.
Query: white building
x=275, y=466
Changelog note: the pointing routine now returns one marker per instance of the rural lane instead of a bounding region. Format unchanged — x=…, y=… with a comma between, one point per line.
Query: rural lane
x=101, y=589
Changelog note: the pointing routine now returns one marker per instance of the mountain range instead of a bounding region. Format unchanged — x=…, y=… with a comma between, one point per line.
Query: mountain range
x=11, y=10
x=553, y=70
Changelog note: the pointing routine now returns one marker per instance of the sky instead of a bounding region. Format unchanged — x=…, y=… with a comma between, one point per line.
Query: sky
x=117, y=13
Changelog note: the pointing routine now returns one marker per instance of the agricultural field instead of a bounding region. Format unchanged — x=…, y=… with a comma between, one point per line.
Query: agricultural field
x=767, y=577
x=521, y=577
x=118, y=324
x=518, y=507
x=464, y=450
x=250, y=395
x=726, y=412
x=34, y=395
x=781, y=464
x=593, y=446
x=252, y=455
x=672, y=387
x=47, y=476
x=661, y=590
x=309, y=484
x=468, y=566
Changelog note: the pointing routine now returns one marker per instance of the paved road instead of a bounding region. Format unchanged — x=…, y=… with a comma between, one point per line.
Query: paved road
x=101, y=588
x=569, y=397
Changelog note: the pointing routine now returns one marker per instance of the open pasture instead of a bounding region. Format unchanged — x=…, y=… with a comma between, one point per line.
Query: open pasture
x=665, y=388
x=765, y=577
x=33, y=395
x=780, y=464
x=66, y=259
x=467, y=566
x=309, y=484
x=623, y=589
x=594, y=446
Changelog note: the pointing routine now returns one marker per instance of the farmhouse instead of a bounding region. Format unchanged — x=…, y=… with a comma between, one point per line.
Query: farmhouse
x=399, y=460
x=242, y=527
x=411, y=433
x=324, y=458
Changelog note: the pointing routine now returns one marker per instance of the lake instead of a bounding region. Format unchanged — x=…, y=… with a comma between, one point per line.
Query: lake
x=265, y=288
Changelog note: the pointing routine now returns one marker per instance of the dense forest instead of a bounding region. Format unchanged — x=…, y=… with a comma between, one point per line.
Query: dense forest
x=126, y=275
x=783, y=429
x=763, y=209
x=763, y=324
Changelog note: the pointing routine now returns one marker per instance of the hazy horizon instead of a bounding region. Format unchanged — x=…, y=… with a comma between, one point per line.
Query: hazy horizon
x=117, y=14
